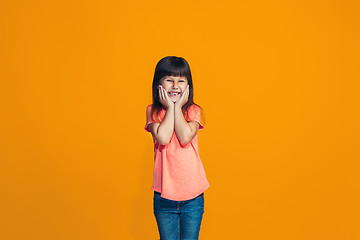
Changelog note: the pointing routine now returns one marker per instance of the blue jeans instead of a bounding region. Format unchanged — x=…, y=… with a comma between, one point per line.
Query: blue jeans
x=178, y=219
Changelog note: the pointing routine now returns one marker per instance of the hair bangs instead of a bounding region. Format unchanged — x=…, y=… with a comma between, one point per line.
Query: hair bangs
x=177, y=71
x=173, y=66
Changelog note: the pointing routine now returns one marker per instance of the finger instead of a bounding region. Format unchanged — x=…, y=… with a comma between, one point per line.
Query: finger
x=161, y=93
x=183, y=95
x=166, y=95
x=186, y=91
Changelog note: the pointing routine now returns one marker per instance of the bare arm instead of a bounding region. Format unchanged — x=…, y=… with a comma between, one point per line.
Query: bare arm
x=162, y=132
x=185, y=131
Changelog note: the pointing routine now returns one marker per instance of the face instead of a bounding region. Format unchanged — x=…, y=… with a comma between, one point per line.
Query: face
x=174, y=86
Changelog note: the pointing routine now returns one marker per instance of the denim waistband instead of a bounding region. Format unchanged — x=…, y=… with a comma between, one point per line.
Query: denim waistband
x=158, y=193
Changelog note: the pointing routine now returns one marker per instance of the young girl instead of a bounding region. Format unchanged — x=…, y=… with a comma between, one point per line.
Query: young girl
x=179, y=178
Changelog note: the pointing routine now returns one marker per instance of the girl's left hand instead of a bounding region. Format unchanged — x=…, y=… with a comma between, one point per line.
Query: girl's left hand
x=183, y=99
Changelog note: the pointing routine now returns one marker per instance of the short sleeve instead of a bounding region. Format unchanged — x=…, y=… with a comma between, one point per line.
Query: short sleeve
x=148, y=118
x=195, y=115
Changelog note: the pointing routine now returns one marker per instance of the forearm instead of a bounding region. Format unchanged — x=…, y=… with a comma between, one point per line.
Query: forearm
x=182, y=128
x=166, y=128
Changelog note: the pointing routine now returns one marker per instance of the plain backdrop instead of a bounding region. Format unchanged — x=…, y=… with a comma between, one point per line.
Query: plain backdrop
x=278, y=82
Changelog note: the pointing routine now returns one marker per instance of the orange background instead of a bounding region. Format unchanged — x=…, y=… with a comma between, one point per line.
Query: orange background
x=278, y=82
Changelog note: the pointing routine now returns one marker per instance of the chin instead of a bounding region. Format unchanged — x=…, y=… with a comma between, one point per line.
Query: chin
x=174, y=100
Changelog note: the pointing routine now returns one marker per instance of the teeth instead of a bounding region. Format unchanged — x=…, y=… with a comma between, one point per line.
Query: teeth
x=174, y=94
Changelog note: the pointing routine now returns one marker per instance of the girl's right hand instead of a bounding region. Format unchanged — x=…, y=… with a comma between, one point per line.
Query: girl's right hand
x=164, y=98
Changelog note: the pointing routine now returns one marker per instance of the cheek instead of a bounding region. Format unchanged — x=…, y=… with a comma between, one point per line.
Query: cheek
x=184, y=88
x=166, y=86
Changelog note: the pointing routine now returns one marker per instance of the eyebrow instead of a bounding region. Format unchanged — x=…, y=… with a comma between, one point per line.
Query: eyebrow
x=183, y=78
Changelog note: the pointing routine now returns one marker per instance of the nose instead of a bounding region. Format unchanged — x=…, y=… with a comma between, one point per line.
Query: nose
x=175, y=86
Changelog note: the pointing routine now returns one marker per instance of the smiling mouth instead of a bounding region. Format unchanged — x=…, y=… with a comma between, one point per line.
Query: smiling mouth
x=174, y=94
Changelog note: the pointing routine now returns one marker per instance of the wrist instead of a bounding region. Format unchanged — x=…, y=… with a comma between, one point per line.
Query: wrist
x=171, y=106
x=177, y=106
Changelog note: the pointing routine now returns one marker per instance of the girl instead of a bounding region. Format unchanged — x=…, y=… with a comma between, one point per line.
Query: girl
x=179, y=179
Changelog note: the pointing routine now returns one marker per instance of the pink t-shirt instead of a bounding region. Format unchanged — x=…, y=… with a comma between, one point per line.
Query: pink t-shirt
x=178, y=171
